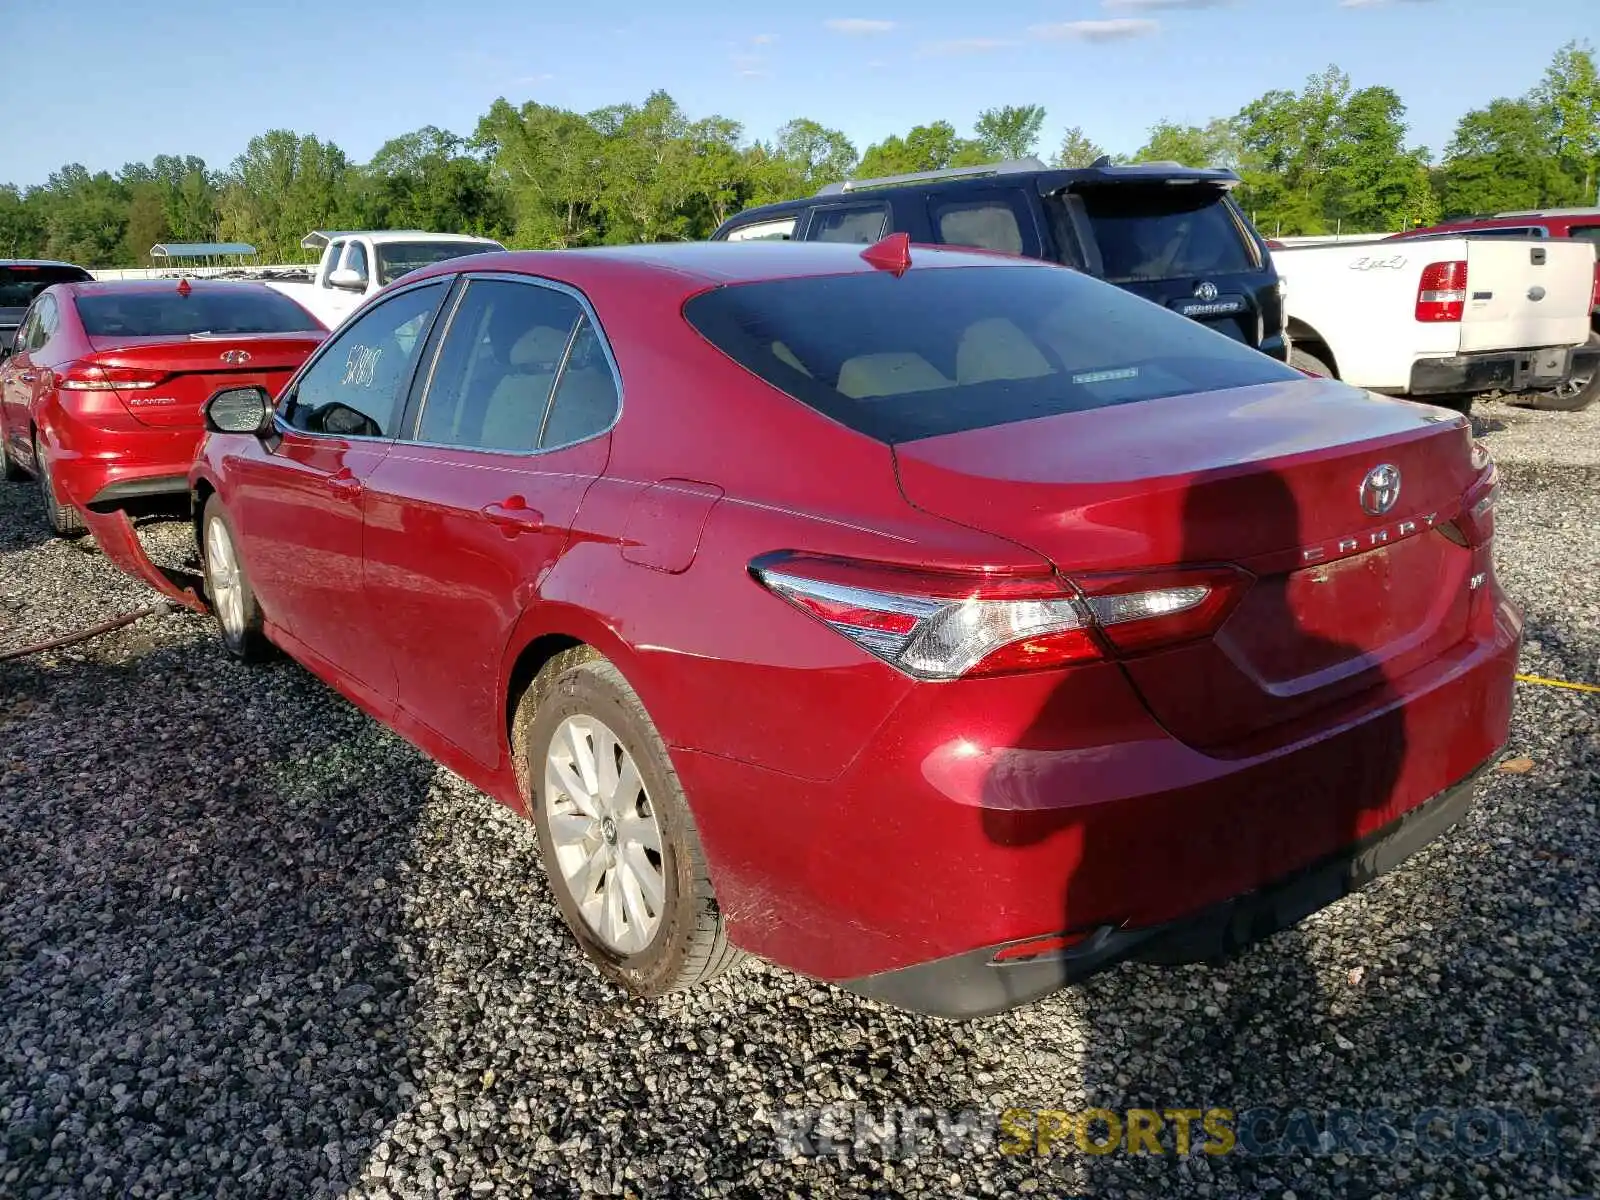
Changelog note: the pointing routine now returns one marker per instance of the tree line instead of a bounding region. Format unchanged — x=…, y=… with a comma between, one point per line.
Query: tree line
x=1327, y=157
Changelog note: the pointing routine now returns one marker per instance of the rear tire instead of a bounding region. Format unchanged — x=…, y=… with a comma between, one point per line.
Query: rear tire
x=645, y=915
x=232, y=599
x=1573, y=396
x=1300, y=360
x=64, y=520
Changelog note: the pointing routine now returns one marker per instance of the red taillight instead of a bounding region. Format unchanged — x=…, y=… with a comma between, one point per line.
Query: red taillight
x=89, y=376
x=1442, y=292
x=940, y=626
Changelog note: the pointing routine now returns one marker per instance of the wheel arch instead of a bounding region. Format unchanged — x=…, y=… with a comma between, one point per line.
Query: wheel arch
x=1302, y=334
x=545, y=631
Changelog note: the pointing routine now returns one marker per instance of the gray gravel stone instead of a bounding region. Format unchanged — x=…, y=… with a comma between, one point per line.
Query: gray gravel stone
x=253, y=945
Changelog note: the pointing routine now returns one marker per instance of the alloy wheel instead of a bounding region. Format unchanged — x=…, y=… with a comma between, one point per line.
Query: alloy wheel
x=607, y=838
x=222, y=578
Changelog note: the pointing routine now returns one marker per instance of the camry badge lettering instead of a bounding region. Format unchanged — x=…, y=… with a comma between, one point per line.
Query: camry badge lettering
x=1380, y=490
x=1369, y=540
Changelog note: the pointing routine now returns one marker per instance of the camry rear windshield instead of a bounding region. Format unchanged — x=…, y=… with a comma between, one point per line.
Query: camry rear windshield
x=1168, y=231
x=401, y=258
x=203, y=310
x=19, y=285
x=953, y=348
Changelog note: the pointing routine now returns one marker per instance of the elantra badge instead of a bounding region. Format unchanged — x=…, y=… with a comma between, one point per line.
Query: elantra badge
x=1380, y=490
x=235, y=357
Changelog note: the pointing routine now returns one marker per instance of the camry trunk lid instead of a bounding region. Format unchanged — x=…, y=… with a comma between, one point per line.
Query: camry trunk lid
x=1278, y=479
x=164, y=382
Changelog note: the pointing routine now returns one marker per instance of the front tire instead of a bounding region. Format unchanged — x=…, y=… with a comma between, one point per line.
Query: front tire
x=1575, y=395
x=619, y=844
x=64, y=520
x=233, y=601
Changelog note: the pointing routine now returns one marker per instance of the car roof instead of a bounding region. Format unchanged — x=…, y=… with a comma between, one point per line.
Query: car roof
x=1045, y=179
x=711, y=264
x=40, y=262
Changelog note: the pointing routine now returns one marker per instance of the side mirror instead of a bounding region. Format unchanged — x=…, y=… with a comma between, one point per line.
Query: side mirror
x=348, y=279
x=239, y=410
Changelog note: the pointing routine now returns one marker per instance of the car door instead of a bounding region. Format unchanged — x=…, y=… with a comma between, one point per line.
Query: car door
x=467, y=511
x=17, y=379
x=296, y=499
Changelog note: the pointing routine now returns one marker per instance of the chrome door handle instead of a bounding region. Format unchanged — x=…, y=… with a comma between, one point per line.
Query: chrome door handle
x=514, y=516
x=344, y=484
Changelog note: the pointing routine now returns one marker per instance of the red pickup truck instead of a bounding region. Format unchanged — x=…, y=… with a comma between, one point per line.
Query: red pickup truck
x=1579, y=223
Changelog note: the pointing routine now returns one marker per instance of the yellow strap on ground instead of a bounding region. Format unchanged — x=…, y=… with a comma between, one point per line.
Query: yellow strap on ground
x=1558, y=683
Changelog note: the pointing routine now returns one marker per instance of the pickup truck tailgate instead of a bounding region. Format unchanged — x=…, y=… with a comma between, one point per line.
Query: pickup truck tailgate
x=1523, y=294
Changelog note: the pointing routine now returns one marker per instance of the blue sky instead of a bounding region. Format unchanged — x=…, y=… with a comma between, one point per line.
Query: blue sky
x=121, y=80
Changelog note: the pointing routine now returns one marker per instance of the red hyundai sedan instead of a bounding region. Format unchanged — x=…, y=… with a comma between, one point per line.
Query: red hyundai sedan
x=943, y=625
x=100, y=396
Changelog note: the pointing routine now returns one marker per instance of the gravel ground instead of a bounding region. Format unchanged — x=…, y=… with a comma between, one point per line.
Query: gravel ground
x=253, y=945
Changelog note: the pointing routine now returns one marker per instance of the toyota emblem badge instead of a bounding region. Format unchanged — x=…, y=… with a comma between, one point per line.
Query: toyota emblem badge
x=1380, y=490
x=235, y=357
x=1206, y=290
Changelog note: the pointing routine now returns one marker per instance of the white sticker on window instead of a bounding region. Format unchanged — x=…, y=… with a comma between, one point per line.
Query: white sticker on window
x=1106, y=376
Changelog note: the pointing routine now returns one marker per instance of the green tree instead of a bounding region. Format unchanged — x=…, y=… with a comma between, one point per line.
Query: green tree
x=147, y=221
x=1568, y=103
x=1011, y=131
x=1500, y=159
x=1212, y=145
x=930, y=147
x=1077, y=150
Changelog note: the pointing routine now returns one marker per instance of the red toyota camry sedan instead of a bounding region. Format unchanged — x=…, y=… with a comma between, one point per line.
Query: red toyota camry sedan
x=100, y=396
x=944, y=625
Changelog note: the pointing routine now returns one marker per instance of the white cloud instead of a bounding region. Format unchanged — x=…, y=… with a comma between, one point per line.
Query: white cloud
x=972, y=45
x=1115, y=30
x=858, y=25
x=763, y=39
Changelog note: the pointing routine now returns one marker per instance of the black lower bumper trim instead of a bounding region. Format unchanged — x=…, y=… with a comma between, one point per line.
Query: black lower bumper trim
x=973, y=985
x=138, y=489
x=1501, y=371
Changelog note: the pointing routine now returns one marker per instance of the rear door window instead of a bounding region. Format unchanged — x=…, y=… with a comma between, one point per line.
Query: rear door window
x=506, y=346
x=989, y=221
x=860, y=224
x=1148, y=233
x=941, y=350
x=762, y=231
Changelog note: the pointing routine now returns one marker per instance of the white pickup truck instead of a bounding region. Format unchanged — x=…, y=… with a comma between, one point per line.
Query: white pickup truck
x=356, y=264
x=1441, y=320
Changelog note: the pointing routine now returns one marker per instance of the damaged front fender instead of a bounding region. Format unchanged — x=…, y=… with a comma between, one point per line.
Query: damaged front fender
x=113, y=532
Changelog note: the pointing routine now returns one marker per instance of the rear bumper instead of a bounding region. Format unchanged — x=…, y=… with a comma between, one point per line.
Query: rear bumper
x=1500, y=371
x=975, y=985
x=103, y=468
x=1012, y=809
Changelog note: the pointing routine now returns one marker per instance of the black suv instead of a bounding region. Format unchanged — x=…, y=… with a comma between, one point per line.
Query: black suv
x=1169, y=233
x=21, y=279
